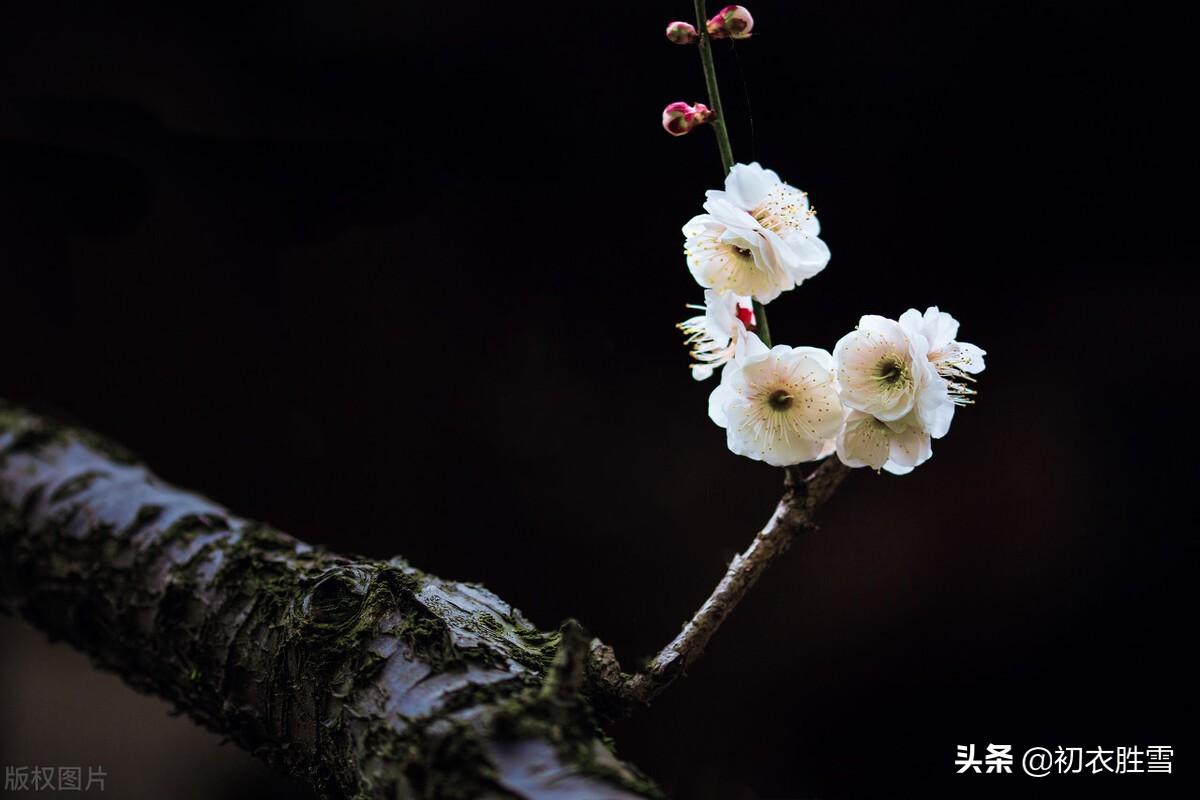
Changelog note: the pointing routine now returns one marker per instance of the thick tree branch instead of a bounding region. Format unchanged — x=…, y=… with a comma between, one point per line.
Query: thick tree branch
x=794, y=515
x=369, y=679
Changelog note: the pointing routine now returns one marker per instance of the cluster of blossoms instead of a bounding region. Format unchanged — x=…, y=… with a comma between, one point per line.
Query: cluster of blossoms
x=888, y=389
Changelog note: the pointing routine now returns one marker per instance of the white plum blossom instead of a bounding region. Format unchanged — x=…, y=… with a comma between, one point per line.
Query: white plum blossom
x=728, y=251
x=782, y=210
x=883, y=370
x=896, y=447
x=901, y=381
x=714, y=334
x=778, y=405
x=955, y=361
x=759, y=236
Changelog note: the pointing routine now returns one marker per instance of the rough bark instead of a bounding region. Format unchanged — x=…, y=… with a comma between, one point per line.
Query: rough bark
x=368, y=679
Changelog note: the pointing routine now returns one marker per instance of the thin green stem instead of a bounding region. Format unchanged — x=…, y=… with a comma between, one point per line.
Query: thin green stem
x=762, y=327
x=717, y=121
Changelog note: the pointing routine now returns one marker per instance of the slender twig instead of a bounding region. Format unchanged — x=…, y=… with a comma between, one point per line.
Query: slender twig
x=717, y=121
x=761, y=326
x=794, y=515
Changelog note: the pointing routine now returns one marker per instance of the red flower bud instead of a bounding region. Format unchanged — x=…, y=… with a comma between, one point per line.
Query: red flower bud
x=746, y=315
x=679, y=118
x=682, y=32
x=733, y=22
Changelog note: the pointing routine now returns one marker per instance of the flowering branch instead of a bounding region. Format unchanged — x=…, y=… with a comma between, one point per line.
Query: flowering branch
x=888, y=389
x=802, y=494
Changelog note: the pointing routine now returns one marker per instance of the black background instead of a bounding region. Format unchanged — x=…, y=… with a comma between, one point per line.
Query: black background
x=402, y=278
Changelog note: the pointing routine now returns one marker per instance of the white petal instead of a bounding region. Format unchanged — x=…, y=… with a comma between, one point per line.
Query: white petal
x=697, y=225
x=720, y=315
x=969, y=358
x=810, y=255
x=937, y=419
x=863, y=442
x=934, y=408
x=792, y=450
x=940, y=328
x=910, y=449
x=760, y=369
x=823, y=357
x=747, y=184
x=730, y=215
x=750, y=349
x=912, y=321
x=720, y=397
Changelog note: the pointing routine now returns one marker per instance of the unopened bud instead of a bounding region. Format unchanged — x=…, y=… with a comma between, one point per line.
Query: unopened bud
x=682, y=32
x=679, y=118
x=733, y=22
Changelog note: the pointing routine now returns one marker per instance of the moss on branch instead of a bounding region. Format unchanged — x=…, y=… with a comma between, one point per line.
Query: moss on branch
x=365, y=678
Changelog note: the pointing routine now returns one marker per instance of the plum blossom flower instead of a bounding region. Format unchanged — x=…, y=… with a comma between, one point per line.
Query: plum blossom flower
x=781, y=209
x=759, y=236
x=714, y=334
x=883, y=370
x=779, y=405
x=901, y=381
x=955, y=361
x=896, y=447
x=727, y=251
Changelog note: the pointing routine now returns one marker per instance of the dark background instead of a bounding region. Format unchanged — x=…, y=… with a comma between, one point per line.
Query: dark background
x=402, y=278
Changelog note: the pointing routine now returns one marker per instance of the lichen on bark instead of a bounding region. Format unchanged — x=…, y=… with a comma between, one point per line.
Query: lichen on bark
x=366, y=678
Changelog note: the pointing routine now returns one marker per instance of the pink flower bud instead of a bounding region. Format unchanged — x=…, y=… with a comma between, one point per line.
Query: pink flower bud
x=682, y=32
x=733, y=22
x=679, y=117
